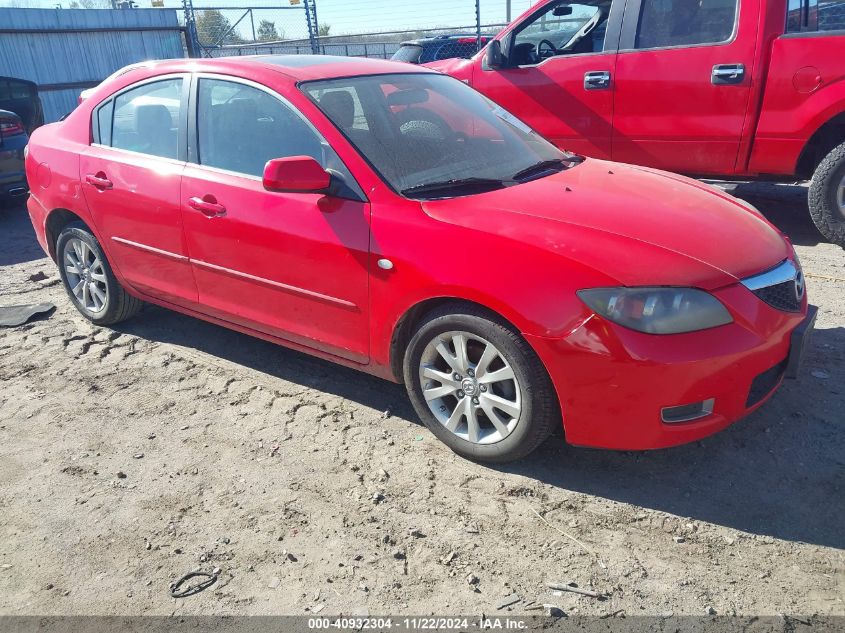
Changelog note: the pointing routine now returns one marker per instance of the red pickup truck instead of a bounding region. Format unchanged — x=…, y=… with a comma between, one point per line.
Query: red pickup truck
x=731, y=89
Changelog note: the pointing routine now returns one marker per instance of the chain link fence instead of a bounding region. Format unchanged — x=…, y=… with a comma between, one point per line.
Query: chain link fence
x=436, y=29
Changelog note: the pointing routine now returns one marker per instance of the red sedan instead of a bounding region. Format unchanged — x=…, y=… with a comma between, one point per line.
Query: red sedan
x=392, y=219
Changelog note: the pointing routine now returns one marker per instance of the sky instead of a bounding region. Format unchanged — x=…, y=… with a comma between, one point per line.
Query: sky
x=346, y=16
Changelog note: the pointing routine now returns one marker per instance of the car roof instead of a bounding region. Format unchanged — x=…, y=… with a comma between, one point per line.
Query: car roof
x=440, y=39
x=296, y=67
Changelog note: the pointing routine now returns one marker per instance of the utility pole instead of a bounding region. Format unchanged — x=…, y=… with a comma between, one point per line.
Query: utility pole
x=508, y=11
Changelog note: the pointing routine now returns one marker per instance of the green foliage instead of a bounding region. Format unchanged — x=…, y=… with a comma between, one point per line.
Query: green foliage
x=267, y=32
x=211, y=27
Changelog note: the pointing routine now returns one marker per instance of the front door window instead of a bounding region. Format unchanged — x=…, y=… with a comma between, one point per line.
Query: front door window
x=566, y=28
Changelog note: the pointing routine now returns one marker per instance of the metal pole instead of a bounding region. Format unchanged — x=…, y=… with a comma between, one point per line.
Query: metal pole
x=508, y=11
x=252, y=21
x=478, y=25
x=192, y=40
x=311, y=19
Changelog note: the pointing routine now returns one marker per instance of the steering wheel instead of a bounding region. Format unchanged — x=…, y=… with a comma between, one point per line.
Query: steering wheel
x=551, y=52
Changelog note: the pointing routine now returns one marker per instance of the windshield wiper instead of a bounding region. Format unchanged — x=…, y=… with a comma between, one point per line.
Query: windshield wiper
x=539, y=168
x=454, y=185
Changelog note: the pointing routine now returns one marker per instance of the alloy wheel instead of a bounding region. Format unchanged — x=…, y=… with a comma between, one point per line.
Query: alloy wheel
x=470, y=387
x=86, y=276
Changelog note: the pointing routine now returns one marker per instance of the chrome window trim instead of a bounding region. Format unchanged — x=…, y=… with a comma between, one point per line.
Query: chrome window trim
x=782, y=273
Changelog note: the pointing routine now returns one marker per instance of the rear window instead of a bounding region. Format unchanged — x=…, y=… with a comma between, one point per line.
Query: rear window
x=832, y=15
x=665, y=23
x=11, y=89
x=408, y=53
x=815, y=15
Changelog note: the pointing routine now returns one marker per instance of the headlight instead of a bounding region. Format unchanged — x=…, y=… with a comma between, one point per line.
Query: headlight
x=657, y=310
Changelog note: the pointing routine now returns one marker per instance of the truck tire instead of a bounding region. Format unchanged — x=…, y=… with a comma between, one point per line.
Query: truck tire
x=827, y=196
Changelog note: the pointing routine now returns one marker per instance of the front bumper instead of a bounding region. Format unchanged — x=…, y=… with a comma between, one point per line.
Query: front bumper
x=613, y=382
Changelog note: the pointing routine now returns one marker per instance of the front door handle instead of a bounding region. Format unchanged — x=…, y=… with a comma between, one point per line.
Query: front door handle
x=207, y=205
x=727, y=74
x=99, y=181
x=597, y=80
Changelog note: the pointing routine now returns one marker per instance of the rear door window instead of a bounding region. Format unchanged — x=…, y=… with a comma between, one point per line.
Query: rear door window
x=668, y=23
x=144, y=119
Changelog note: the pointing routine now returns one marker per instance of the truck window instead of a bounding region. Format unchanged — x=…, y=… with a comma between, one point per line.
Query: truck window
x=666, y=23
x=803, y=16
x=832, y=15
x=563, y=28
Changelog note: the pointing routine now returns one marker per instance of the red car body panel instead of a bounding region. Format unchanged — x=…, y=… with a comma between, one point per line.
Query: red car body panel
x=300, y=269
x=662, y=109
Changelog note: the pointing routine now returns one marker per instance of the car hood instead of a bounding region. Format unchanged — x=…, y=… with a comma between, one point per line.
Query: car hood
x=639, y=226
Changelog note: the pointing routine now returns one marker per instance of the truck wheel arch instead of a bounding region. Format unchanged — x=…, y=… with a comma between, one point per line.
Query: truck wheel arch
x=830, y=134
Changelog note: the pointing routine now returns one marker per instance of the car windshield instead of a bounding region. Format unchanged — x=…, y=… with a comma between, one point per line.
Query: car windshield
x=431, y=136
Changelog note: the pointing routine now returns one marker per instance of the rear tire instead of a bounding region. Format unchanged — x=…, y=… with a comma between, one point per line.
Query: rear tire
x=458, y=394
x=89, y=280
x=827, y=196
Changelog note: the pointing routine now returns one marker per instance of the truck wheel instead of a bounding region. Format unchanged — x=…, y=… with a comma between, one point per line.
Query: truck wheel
x=827, y=196
x=478, y=386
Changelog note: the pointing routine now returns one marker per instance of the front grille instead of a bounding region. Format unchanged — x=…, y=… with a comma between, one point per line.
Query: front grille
x=763, y=384
x=780, y=296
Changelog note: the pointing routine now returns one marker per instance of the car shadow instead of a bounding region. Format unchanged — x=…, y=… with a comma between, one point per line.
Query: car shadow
x=18, y=243
x=784, y=205
x=777, y=473
x=780, y=472
x=166, y=326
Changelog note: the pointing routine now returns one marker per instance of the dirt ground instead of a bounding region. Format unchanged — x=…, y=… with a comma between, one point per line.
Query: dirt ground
x=133, y=455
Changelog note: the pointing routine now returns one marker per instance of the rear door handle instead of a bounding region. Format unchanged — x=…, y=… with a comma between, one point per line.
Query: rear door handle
x=99, y=181
x=207, y=205
x=727, y=74
x=597, y=80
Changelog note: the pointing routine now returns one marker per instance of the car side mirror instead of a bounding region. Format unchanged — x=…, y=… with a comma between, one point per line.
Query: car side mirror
x=494, y=58
x=296, y=174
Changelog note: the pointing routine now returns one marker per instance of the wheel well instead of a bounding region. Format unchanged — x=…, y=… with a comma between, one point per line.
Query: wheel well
x=56, y=221
x=825, y=139
x=408, y=322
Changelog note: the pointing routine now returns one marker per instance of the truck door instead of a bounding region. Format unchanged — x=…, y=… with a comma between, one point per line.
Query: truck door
x=557, y=76
x=683, y=82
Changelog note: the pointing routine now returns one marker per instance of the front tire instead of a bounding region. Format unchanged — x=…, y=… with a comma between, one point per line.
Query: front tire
x=478, y=385
x=89, y=280
x=827, y=196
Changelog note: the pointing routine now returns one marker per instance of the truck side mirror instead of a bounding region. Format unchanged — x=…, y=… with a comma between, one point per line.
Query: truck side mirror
x=493, y=58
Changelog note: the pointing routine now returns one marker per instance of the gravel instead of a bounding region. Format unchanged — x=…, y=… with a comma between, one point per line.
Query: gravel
x=765, y=507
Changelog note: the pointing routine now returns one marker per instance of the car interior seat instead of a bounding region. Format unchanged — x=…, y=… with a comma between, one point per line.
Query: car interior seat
x=154, y=127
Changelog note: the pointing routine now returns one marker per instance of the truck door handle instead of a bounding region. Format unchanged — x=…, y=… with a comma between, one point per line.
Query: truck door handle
x=597, y=80
x=99, y=181
x=727, y=74
x=208, y=206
